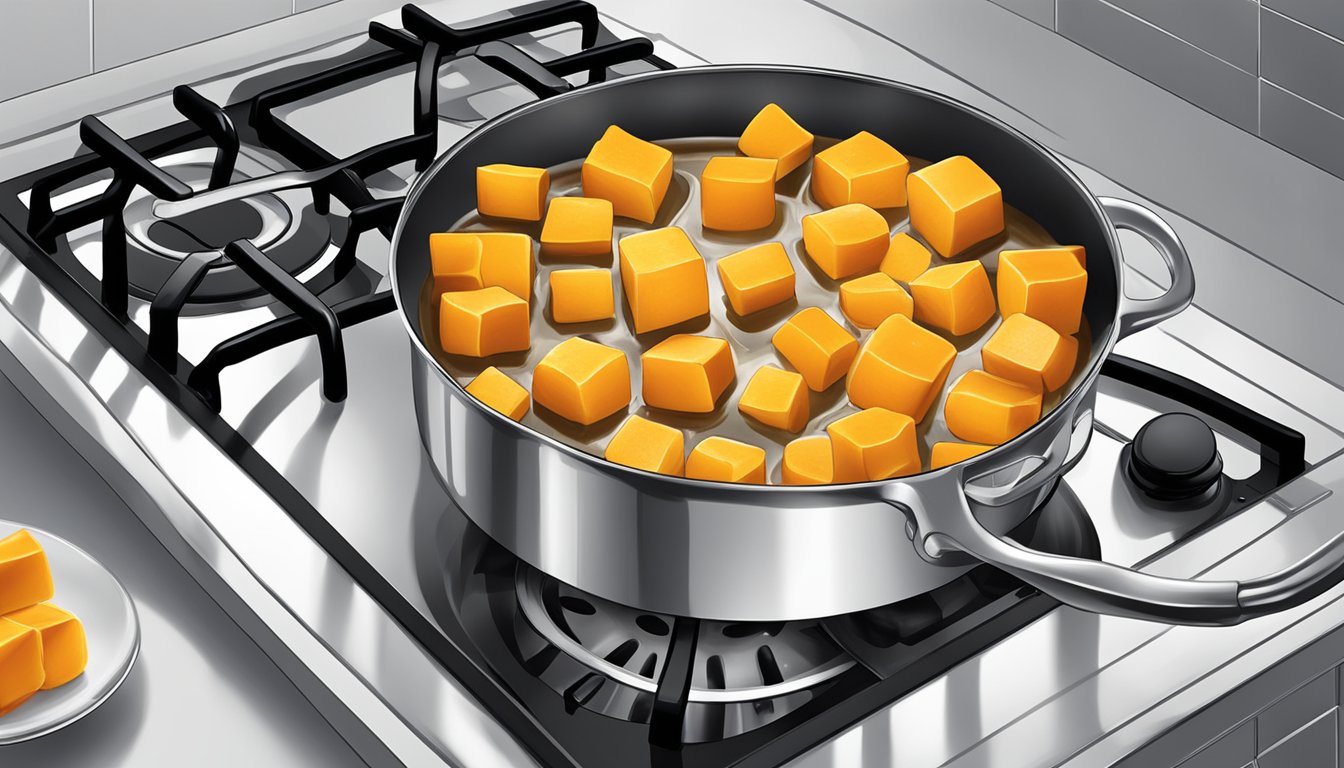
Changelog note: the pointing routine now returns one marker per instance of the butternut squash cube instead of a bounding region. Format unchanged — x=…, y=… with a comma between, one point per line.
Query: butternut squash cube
x=1079, y=253
x=874, y=444
x=687, y=373
x=758, y=277
x=577, y=226
x=664, y=278
x=21, y=670
x=727, y=461
x=582, y=380
x=846, y=241
x=581, y=295
x=772, y=134
x=494, y=388
x=816, y=346
x=25, y=577
x=483, y=322
x=956, y=297
x=906, y=258
x=1046, y=283
x=860, y=169
x=512, y=191
x=954, y=204
x=1025, y=350
x=632, y=173
x=808, y=461
x=737, y=194
x=870, y=299
x=65, y=651
x=776, y=398
x=947, y=453
x=467, y=261
x=648, y=445
x=983, y=408
x=901, y=367
x=455, y=261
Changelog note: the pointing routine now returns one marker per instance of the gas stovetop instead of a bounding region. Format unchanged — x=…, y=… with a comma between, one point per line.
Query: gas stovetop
x=241, y=368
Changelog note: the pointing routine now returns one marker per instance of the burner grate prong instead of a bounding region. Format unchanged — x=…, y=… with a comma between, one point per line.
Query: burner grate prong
x=208, y=116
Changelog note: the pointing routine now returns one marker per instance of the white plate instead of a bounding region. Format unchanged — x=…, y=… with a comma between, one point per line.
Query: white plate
x=88, y=590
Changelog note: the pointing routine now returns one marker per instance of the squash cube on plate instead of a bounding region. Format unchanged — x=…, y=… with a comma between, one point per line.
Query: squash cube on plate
x=846, y=241
x=737, y=194
x=21, y=671
x=776, y=398
x=483, y=322
x=632, y=173
x=648, y=445
x=577, y=226
x=663, y=277
x=956, y=297
x=494, y=388
x=983, y=408
x=727, y=461
x=65, y=651
x=512, y=191
x=874, y=444
x=870, y=299
x=1025, y=350
x=1045, y=283
x=860, y=169
x=25, y=576
x=466, y=261
x=947, y=453
x=582, y=380
x=901, y=367
x=906, y=258
x=581, y=295
x=756, y=278
x=687, y=373
x=816, y=346
x=954, y=204
x=808, y=461
x=773, y=135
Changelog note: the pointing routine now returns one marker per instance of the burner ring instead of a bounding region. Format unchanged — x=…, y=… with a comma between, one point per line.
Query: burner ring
x=277, y=220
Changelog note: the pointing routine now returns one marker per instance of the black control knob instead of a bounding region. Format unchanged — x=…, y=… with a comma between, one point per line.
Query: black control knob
x=1174, y=457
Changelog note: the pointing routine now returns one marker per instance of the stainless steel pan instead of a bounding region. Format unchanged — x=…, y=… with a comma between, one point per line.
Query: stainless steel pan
x=732, y=552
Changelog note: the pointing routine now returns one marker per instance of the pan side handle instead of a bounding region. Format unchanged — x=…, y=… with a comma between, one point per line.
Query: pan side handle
x=1137, y=314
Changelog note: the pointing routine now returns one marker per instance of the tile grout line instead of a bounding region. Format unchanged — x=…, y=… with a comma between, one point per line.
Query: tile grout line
x=1174, y=36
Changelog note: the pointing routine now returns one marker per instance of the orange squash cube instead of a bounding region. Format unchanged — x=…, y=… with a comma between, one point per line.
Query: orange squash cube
x=466, y=261
x=947, y=453
x=874, y=444
x=773, y=135
x=455, y=261
x=25, y=576
x=1025, y=350
x=1079, y=253
x=901, y=367
x=737, y=194
x=494, y=388
x=906, y=258
x=983, y=408
x=21, y=670
x=648, y=445
x=956, y=297
x=582, y=380
x=483, y=322
x=756, y=278
x=846, y=241
x=65, y=651
x=860, y=169
x=632, y=173
x=870, y=299
x=687, y=373
x=808, y=461
x=776, y=398
x=727, y=461
x=512, y=191
x=954, y=204
x=1046, y=283
x=664, y=278
x=816, y=346
x=577, y=226
x=581, y=295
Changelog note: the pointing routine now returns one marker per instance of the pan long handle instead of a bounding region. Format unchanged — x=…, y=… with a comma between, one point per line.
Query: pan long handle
x=1112, y=589
x=1137, y=314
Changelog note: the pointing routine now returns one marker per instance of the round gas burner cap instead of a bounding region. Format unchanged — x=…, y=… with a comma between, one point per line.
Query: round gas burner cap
x=1174, y=457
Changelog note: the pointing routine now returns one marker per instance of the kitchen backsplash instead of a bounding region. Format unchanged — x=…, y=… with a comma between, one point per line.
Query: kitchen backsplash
x=1274, y=67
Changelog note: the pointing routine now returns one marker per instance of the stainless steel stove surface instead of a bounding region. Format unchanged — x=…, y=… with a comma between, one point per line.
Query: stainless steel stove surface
x=294, y=474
